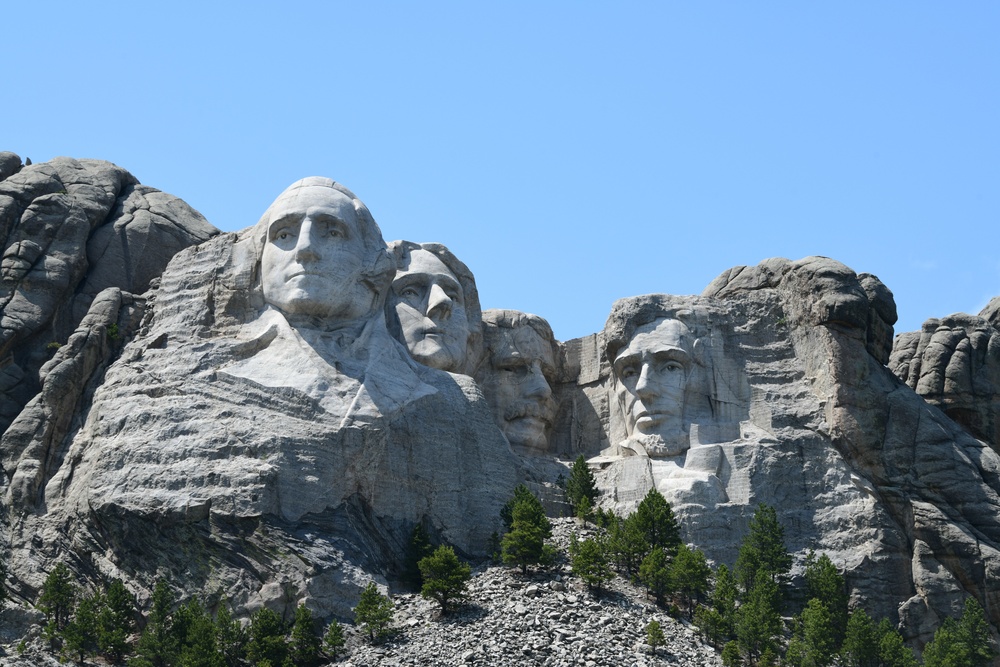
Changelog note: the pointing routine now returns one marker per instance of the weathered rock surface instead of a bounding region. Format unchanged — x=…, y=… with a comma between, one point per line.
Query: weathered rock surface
x=70, y=229
x=222, y=451
x=234, y=440
x=858, y=466
x=954, y=363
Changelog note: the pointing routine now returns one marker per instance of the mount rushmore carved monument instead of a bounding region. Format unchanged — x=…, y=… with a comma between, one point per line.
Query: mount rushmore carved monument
x=270, y=413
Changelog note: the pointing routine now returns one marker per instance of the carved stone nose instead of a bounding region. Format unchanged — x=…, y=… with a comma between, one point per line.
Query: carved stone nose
x=438, y=302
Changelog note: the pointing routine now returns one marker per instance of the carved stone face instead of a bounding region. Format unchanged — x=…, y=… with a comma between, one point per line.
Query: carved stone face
x=430, y=305
x=651, y=374
x=313, y=256
x=517, y=387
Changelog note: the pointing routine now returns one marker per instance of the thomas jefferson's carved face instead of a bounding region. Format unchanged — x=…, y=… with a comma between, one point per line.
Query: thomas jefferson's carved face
x=517, y=386
x=314, y=255
x=651, y=374
x=430, y=304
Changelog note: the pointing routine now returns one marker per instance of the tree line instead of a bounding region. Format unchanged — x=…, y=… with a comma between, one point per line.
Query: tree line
x=738, y=609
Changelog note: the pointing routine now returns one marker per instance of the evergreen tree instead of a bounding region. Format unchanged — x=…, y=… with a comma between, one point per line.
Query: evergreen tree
x=524, y=544
x=763, y=550
x=266, y=638
x=116, y=622
x=892, y=652
x=757, y=619
x=195, y=634
x=57, y=601
x=654, y=635
x=230, y=637
x=81, y=632
x=157, y=645
x=373, y=613
x=654, y=573
x=305, y=643
x=691, y=576
x=628, y=545
x=589, y=560
x=521, y=494
x=965, y=642
x=861, y=641
x=711, y=624
x=445, y=577
x=418, y=549
x=812, y=643
x=717, y=621
x=731, y=656
x=825, y=583
x=334, y=639
x=581, y=488
x=656, y=521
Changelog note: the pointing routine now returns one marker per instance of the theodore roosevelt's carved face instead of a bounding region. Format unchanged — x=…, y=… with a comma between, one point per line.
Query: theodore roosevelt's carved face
x=430, y=305
x=651, y=375
x=517, y=387
x=314, y=255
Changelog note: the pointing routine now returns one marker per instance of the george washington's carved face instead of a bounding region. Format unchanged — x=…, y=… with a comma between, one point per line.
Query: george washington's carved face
x=313, y=258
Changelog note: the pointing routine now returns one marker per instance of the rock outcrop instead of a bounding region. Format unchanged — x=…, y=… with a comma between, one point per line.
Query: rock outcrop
x=954, y=363
x=71, y=229
x=249, y=428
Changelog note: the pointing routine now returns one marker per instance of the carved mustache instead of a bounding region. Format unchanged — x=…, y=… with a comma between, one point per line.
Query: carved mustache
x=540, y=411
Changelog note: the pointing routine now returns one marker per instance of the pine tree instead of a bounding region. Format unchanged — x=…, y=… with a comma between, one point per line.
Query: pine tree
x=157, y=646
x=825, y=583
x=195, y=634
x=589, y=560
x=654, y=635
x=965, y=642
x=81, y=632
x=812, y=643
x=892, y=652
x=521, y=493
x=861, y=641
x=230, y=637
x=691, y=576
x=334, y=639
x=763, y=550
x=373, y=613
x=116, y=622
x=757, y=619
x=305, y=643
x=266, y=638
x=628, y=545
x=445, y=577
x=656, y=521
x=581, y=487
x=524, y=544
x=654, y=573
x=418, y=549
x=57, y=601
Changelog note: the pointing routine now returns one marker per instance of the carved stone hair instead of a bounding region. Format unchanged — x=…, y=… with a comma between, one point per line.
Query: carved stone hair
x=378, y=265
x=627, y=315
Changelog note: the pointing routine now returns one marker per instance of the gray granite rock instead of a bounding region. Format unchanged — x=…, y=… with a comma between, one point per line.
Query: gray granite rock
x=70, y=229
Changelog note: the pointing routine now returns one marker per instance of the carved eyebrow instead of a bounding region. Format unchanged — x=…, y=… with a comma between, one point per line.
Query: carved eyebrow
x=625, y=360
x=284, y=221
x=672, y=354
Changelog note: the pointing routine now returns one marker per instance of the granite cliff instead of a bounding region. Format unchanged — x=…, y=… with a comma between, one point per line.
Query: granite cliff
x=232, y=421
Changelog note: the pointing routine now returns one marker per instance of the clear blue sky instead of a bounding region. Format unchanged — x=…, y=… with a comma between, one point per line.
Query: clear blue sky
x=570, y=153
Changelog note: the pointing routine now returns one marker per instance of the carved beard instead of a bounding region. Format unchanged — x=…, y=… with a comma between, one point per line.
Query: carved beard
x=657, y=446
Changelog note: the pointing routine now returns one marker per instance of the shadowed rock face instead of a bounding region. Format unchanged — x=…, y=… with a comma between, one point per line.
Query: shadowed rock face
x=70, y=229
x=954, y=363
x=251, y=425
x=261, y=434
